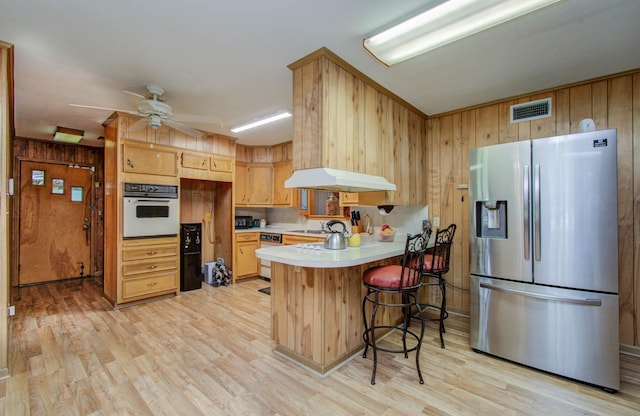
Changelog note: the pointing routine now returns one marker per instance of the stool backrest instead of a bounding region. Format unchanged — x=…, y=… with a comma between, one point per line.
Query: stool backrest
x=437, y=257
x=413, y=259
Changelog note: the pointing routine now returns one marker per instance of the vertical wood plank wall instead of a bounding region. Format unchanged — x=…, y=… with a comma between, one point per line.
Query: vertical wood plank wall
x=612, y=102
x=344, y=120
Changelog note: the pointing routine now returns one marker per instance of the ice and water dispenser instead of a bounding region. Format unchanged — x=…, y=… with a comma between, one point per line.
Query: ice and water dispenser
x=491, y=219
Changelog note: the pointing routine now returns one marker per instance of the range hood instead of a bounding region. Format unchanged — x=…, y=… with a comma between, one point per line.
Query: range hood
x=336, y=180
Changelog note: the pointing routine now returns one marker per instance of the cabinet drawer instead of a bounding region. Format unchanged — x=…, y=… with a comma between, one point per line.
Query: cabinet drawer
x=246, y=237
x=159, y=265
x=150, y=252
x=221, y=164
x=148, y=285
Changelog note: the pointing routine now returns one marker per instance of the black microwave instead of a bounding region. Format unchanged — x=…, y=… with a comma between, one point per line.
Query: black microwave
x=244, y=221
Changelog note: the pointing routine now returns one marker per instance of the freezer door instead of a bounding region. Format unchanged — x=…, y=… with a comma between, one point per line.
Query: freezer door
x=575, y=211
x=500, y=226
x=568, y=332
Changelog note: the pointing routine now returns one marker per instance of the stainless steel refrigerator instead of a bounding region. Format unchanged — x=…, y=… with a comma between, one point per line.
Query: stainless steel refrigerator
x=544, y=255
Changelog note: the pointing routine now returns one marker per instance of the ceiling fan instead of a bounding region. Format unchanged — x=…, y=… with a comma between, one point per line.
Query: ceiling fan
x=154, y=111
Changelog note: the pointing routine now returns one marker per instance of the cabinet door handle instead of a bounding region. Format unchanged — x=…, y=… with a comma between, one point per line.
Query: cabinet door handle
x=153, y=266
x=152, y=284
x=241, y=252
x=215, y=165
x=130, y=163
x=151, y=253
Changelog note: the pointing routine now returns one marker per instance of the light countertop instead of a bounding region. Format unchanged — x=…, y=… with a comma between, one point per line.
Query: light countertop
x=315, y=255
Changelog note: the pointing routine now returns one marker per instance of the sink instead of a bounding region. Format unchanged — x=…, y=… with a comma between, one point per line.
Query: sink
x=309, y=231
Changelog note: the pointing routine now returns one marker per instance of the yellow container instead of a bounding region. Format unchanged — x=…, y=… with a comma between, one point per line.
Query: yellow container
x=354, y=240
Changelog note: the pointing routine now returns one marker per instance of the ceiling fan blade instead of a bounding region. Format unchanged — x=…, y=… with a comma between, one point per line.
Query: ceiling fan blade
x=185, y=129
x=93, y=107
x=135, y=94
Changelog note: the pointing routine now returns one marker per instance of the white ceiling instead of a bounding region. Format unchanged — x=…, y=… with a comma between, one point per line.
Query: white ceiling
x=228, y=60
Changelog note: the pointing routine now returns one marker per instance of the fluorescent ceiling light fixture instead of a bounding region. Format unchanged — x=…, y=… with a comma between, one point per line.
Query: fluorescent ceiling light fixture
x=446, y=23
x=66, y=135
x=262, y=121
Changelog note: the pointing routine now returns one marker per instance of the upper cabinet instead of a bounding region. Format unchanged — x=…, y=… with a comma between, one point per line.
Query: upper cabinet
x=259, y=184
x=198, y=165
x=344, y=120
x=281, y=195
x=149, y=159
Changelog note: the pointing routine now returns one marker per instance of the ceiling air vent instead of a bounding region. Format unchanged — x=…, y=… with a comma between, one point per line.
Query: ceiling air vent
x=532, y=110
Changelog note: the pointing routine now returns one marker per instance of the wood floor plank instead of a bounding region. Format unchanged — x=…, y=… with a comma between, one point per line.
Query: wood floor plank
x=209, y=352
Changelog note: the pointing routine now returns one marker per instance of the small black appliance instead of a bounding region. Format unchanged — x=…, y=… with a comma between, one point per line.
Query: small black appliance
x=191, y=256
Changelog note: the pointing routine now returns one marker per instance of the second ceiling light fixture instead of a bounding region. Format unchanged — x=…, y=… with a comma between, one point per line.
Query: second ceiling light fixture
x=443, y=24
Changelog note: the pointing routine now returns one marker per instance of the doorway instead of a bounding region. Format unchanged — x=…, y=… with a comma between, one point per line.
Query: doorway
x=55, y=239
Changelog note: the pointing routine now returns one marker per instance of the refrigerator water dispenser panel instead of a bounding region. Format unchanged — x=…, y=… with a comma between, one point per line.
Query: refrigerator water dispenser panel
x=491, y=219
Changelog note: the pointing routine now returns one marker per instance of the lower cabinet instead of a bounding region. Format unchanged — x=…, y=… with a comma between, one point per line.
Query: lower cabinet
x=245, y=255
x=150, y=267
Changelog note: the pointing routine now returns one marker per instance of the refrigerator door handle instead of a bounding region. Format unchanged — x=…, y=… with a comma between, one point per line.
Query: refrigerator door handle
x=525, y=211
x=576, y=301
x=536, y=212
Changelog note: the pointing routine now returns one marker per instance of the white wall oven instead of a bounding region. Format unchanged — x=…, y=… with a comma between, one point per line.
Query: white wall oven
x=150, y=210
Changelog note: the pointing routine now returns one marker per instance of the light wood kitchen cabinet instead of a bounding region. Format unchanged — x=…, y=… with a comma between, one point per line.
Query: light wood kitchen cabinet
x=149, y=159
x=281, y=195
x=198, y=161
x=259, y=184
x=240, y=184
x=348, y=199
x=246, y=262
x=149, y=268
x=221, y=164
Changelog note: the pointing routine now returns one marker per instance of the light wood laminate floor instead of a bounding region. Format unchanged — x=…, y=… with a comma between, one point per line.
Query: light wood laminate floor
x=209, y=352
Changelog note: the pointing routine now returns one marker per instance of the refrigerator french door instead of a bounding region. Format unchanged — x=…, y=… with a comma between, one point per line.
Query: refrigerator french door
x=544, y=254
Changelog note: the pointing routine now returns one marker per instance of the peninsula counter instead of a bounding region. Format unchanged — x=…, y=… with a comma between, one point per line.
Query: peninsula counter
x=316, y=299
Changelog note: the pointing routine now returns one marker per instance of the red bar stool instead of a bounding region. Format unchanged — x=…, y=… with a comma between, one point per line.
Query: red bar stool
x=436, y=265
x=396, y=281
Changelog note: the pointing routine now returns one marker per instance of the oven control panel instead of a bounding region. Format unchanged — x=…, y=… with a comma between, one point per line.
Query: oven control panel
x=271, y=238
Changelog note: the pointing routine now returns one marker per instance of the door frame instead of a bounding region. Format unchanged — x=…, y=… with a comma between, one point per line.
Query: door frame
x=15, y=274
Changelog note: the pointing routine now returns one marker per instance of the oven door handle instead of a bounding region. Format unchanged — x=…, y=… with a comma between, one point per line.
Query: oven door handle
x=163, y=201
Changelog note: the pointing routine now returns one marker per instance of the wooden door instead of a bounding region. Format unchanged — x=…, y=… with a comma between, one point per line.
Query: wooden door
x=55, y=221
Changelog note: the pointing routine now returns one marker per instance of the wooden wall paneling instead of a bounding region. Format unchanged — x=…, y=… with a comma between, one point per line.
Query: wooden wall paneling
x=434, y=168
x=636, y=208
x=468, y=141
x=620, y=115
x=298, y=124
x=457, y=272
x=334, y=310
x=599, y=104
x=332, y=122
x=346, y=126
x=222, y=223
x=313, y=111
x=507, y=131
x=371, y=131
x=487, y=125
x=580, y=105
x=563, y=111
x=360, y=98
x=355, y=124
x=449, y=192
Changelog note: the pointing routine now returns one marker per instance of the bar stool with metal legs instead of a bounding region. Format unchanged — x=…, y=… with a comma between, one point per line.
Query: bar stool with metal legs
x=398, y=285
x=436, y=265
